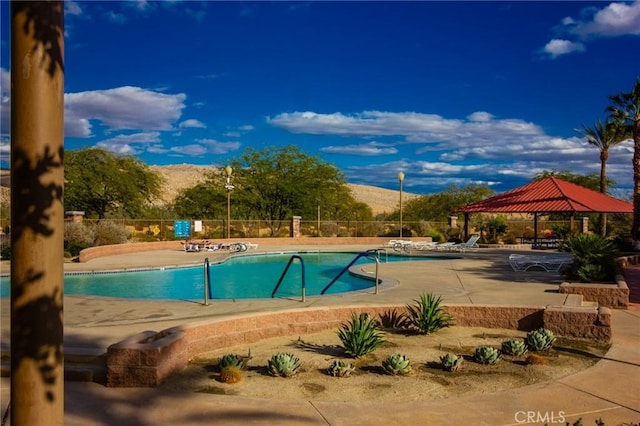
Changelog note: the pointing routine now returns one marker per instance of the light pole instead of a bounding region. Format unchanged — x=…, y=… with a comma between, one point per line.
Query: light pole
x=400, y=179
x=229, y=188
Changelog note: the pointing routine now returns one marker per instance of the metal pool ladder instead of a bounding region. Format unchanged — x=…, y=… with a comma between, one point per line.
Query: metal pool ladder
x=368, y=255
x=207, y=281
x=304, y=285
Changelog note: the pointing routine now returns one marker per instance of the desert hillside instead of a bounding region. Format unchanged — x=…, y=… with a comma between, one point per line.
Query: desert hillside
x=178, y=177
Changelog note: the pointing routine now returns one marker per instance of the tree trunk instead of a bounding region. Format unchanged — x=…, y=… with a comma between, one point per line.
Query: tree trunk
x=37, y=213
x=635, y=230
x=604, y=156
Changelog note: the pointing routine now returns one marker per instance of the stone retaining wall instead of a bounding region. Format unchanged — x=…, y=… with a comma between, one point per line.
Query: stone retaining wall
x=148, y=358
x=610, y=295
x=114, y=249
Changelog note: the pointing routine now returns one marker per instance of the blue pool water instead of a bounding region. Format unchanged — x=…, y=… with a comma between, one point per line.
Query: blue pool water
x=240, y=277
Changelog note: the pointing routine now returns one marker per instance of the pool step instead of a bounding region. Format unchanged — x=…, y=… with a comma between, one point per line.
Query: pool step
x=80, y=364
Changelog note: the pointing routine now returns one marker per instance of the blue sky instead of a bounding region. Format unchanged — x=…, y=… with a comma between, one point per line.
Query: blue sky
x=446, y=92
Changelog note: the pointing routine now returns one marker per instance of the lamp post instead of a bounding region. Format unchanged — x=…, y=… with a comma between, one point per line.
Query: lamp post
x=229, y=188
x=400, y=179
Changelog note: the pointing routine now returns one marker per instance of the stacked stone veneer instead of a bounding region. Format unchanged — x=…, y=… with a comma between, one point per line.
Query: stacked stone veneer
x=146, y=359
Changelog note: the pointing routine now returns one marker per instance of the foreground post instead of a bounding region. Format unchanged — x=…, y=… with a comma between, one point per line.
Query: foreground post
x=37, y=213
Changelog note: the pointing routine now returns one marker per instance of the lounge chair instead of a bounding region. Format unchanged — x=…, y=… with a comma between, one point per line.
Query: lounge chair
x=470, y=244
x=550, y=263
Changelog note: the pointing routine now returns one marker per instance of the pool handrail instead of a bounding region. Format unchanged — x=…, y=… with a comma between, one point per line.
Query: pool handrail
x=207, y=281
x=304, y=286
x=368, y=255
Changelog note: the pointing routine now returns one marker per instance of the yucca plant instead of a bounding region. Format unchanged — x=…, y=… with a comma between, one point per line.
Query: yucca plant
x=232, y=360
x=540, y=339
x=393, y=319
x=514, y=347
x=341, y=369
x=283, y=364
x=360, y=335
x=230, y=374
x=594, y=257
x=451, y=362
x=486, y=355
x=427, y=315
x=396, y=365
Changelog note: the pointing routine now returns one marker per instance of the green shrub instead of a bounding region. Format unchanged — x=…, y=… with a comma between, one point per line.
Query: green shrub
x=540, y=339
x=360, y=335
x=486, y=355
x=108, y=232
x=594, y=257
x=427, y=315
x=5, y=253
x=396, y=365
x=283, y=365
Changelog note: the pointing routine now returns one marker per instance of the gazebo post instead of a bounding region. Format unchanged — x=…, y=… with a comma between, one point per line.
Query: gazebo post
x=466, y=226
x=535, y=229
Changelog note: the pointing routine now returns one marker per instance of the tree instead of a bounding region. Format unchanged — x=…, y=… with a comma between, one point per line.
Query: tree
x=203, y=201
x=100, y=183
x=625, y=109
x=438, y=207
x=275, y=184
x=591, y=181
x=603, y=136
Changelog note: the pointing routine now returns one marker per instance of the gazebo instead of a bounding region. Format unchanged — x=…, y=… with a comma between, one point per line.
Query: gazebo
x=545, y=196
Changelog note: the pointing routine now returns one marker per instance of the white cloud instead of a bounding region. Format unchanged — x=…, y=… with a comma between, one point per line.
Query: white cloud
x=559, y=47
x=368, y=149
x=616, y=19
x=72, y=8
x=122, y=108
x=215, y=147
x=480, y=116
x=5, y=102
x=192, y=123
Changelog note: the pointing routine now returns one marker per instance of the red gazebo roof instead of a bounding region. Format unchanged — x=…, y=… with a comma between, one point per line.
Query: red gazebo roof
x=547, y=196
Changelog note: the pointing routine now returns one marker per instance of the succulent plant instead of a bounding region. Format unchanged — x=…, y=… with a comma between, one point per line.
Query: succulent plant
x=283, y=364
x=427, y=315
x=360, y=336
x=232, y=360
x=230, y=374
x=540, y=339
x=514, y=347
x=451, y=362
x=396, y=364
x=341, y=369
x=486, y=355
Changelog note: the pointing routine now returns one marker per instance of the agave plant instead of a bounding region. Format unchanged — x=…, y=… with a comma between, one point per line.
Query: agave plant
x=230, y=374
x=283, y=365
x=427, y=315
x=360, y=335
x=341, y=369
x=514, y=347
x=451, y=362
x=486, y=355
x=396, y=365
x=540, y=339
x=232, y=360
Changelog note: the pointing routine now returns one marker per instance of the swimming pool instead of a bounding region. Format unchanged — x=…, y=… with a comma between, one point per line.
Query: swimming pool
x=240, y=277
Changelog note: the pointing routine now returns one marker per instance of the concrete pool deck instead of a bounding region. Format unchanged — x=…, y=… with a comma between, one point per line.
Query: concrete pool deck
x=609, y=390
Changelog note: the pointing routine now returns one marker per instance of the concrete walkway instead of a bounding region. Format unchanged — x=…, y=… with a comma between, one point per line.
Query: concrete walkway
x=610, y=390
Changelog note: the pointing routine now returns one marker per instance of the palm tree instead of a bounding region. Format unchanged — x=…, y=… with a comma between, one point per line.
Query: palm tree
x=603, y=136
x=625, y=109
